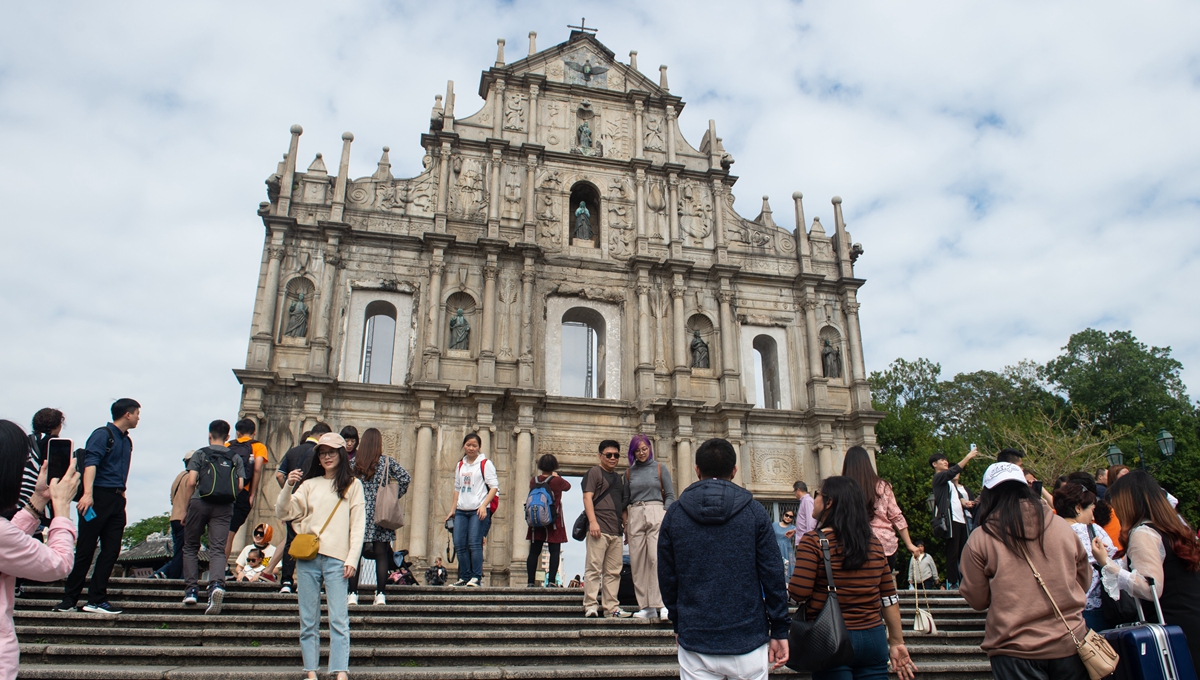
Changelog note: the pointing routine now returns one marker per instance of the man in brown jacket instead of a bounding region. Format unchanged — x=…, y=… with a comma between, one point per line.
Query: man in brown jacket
x=1024, y=637
x=179, y=505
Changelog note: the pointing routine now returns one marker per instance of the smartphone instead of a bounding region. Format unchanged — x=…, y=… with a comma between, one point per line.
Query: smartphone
x=58, y=457
x=974, y=448
x=1037, y=489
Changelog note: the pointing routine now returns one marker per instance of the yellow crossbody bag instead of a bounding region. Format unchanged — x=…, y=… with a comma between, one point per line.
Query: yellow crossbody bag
x=306, y=546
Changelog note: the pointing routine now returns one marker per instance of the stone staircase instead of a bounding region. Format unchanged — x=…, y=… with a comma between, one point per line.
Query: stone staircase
x=423, y=633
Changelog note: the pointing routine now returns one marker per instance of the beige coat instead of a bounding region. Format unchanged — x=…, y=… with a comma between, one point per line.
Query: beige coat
x=313, y=503
x=1020, y=620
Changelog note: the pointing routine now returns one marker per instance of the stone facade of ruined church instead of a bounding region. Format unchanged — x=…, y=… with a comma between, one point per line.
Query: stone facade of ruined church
x=489, y=227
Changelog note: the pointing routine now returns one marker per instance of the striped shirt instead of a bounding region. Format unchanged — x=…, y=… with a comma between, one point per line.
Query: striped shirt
x=862, y=593
x=33, y=468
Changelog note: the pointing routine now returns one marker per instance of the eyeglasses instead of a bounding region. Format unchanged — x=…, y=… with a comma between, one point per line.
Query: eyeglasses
x=611, y=456
x=816, y=493
x=328, y=454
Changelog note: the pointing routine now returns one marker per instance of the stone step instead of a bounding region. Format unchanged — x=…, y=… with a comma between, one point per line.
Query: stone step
x=975, y=670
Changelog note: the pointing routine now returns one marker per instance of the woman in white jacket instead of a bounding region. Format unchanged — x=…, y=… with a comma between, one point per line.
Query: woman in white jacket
x=326, y=500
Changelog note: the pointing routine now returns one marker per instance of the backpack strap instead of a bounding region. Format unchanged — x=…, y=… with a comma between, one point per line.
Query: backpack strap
x=661, y=491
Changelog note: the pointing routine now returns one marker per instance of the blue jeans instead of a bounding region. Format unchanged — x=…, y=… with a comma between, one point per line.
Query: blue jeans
x=469, y=531
x=174, y=568
x=870, y=657
x=309, y=575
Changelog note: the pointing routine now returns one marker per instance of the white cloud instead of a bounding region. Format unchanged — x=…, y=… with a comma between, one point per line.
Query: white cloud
x=1016, y=172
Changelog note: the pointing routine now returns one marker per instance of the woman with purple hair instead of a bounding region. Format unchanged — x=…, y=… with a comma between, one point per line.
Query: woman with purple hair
x=650, y=492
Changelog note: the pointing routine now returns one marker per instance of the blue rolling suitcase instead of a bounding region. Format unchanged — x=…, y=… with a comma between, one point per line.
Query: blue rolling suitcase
x=1149, y=651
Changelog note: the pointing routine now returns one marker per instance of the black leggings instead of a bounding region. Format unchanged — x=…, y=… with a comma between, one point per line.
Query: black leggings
x=535, y=554
x=382, y=550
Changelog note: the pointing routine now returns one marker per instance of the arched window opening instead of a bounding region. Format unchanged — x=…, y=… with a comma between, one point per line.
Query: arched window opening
x=379, y=338
x=583, y=354
x=766, y=366
x=583, y=215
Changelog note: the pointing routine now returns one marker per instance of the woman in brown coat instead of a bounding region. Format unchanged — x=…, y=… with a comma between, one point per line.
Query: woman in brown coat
x=556, y=534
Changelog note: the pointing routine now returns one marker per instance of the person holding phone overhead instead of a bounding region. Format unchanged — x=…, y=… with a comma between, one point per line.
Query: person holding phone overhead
x=21, y=555
x=949, y=521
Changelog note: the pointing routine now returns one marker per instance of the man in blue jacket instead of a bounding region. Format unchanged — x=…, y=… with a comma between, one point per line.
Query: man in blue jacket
x=718, y=570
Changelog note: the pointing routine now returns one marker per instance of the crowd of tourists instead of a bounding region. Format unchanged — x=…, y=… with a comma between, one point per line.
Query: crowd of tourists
x=1049, y=565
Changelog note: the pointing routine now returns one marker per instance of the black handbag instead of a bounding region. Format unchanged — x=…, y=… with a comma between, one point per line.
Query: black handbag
x=579, y=530
x=824, y=643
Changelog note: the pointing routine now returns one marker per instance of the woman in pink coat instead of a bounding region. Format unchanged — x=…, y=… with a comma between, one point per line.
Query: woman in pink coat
x=886, y=518
x=20, y=555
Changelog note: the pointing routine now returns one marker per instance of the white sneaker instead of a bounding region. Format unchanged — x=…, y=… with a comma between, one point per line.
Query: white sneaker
x=352, y=598
x=591, y=613
x=473, y=583
x=380, y=598
x=643, y=613
x=663, y=614
x=619, y=614
x=287, y=588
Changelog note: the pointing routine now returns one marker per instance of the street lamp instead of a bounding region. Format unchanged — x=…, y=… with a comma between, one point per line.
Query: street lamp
x=1114, y=455
x=1166, y=443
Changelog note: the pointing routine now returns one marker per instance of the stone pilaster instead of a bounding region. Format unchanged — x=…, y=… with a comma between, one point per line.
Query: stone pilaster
x=487, y=350
x=525, y=368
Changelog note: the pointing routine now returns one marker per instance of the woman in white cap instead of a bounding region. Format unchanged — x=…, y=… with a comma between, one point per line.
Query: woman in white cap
x=326, y=500
x=1024, y=637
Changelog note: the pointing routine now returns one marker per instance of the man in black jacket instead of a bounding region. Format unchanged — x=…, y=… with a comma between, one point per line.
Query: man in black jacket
x=948, y=510
x=718, y=571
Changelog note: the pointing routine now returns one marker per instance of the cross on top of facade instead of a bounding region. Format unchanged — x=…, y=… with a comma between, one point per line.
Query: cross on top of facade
x=583, y=26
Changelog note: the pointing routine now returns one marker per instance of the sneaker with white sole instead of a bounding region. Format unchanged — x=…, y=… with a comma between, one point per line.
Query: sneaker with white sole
x=663, y=614
x=287, y=588
x=619, y=614
x=101, y=608
x=352, y=598
x=380, y=598
x=591, y=613
x=459, y=583
x=189, y=596
x=64, y=606
x=643, y=613
x=216, y=597
x=473, y=583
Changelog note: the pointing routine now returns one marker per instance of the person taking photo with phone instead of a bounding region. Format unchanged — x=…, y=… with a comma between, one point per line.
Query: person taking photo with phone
x=22, y=556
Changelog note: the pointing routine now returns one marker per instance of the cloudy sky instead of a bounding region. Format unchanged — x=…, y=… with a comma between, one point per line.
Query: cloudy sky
x=1016, y=171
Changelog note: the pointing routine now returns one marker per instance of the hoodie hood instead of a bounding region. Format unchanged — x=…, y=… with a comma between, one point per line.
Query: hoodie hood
x=713, y=501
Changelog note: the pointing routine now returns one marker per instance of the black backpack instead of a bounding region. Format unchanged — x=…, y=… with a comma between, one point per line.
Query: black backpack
x=218, y=476
x=245, y=451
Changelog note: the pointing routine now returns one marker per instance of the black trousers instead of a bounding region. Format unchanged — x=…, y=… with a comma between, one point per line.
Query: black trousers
x=241, y=510
x=535, y=554
x=174, y=568
x=289, y=562
x=215, y=517
x=1012, y=668
x=954, y=547
x=382, y=551
x=106, y=528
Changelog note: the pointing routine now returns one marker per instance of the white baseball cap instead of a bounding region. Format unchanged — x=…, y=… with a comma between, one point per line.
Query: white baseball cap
x=998, y=473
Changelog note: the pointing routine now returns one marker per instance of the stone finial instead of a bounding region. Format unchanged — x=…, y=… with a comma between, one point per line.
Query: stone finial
x=817, y=229
x=347, y=136
x=500, y=52
x=837, y=200
x=297, y=130
x=532, y=43
x=796, y=195
x=766, y=204
x=633, y=59
x=384, y=170
x=318, y=166
x=662, y=77
x=798, y=198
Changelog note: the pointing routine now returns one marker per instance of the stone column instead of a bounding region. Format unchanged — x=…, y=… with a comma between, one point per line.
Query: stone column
x=339, y=187
x=679, y=323
x=645, y=353
x=494, y=195
x=640, y=194
x=289, y=172
x=673, y=207
x=264, y=336
x=318, y=357
x=684, y=474
x=730, y=366
x=498, y=111
x=638, y=151
x=802, y=253
x=670, y=134
x=487, y=349
x=433, y=346
x=443, y=200
x=526, y=359
x=851, y=308
x=718, y=193
x=522, y=468
x=530, y=204
x=534, y=90
x=422, y=474
x=810, y=336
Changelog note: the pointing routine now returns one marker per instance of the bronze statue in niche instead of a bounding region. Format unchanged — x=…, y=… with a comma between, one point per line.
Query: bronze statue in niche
x=460, y=331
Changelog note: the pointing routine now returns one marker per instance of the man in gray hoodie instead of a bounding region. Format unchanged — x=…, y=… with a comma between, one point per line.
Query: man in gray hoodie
x=718, y=570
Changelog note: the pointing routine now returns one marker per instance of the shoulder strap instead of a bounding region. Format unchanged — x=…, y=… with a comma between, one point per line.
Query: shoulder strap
x=830, y=585
x=331, y=514
x=661, y=491
x=596, y=499
x=1046, y=590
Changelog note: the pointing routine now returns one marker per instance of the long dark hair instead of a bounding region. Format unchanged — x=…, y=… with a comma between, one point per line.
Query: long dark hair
x=345, y=473
x=14, y=453
x=1136, y=497
x=857, y=466
x=366, y=455
x=1001, y=513
x=846, y=513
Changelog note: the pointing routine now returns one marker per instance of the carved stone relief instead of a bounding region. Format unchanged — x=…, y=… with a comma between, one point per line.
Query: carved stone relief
x=549, y=234
x=584, y=68
x=616, y=136
x=512, y=191
x=589, y=292
x=774, y=466
x=553, y=122
x=514, y=112
x=468, y=197
x=695, y=211
x=620, y=230
x=656, y=201
x=654, y=140
x=508, y=296
x=422, y=195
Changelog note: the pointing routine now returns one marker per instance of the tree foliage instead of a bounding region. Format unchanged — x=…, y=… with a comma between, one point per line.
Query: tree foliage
x=137, y=532
x=1102, y=389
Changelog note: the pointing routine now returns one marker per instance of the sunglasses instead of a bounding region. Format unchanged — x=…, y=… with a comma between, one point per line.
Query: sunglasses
x=816, y=493
x=788, y=516
x=259, y=534
x=611, y=455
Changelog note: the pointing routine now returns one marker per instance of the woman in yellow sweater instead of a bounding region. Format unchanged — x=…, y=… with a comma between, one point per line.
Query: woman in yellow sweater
x=326, y=500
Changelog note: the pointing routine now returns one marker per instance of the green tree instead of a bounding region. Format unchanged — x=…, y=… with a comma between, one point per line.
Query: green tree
x=138, y=531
